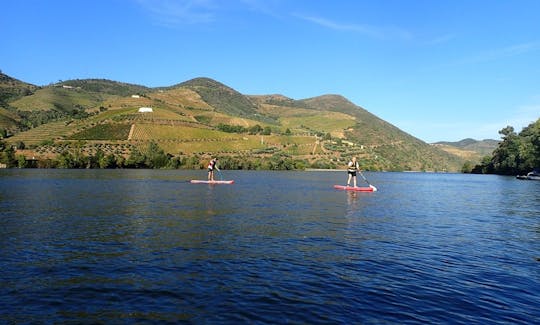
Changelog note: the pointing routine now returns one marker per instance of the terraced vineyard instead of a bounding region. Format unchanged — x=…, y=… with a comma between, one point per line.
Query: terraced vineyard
x=46, y=132
x=116, y=131
x=144, y=131
x=302, y=119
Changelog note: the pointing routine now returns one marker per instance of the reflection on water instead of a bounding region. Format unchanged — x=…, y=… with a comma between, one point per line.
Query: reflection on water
x=147, y=246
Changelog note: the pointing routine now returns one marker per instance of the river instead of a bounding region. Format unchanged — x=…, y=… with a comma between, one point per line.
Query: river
x=146, y=246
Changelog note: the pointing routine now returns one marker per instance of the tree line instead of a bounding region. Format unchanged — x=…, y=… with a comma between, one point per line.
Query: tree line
x=151, y=156
x=256, y=129
x=517, y=153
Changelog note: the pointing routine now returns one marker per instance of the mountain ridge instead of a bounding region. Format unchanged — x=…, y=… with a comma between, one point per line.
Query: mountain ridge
x=322, y=131
x=469, y=148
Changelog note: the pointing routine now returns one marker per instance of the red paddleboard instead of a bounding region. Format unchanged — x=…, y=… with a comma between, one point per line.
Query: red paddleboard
x=196, y=181
x=356, y=189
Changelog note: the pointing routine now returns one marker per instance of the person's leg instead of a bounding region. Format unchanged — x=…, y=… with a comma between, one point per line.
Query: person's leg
x=349, y=179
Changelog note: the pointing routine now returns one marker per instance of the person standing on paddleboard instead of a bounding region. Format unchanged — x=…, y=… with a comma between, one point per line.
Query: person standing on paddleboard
x=211, y=167
x=352, y=168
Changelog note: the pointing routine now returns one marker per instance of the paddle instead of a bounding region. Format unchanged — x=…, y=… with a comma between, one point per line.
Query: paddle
x=373, y=187
x=220, y=175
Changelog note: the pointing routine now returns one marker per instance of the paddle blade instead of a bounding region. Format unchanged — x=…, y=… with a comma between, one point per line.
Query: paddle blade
x=373, y=187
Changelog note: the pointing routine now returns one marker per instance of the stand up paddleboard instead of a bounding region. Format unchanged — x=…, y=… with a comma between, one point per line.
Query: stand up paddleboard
x=197, y=181
x=371, y=188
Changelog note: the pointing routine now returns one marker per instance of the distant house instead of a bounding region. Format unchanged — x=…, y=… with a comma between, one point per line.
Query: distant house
x=145, y=110
x=135, y=96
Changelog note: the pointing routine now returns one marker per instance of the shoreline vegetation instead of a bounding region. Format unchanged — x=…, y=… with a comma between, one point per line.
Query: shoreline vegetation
x=516, y=154
x=152, y=157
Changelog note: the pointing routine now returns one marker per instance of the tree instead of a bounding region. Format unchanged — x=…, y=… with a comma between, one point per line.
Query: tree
x=155, y=156
x=108, y=161
x=505, y=157
x=267, y=131
x=256, y=129
x=467, y=167
x=21, y=161
x=7, y=155
x=65, y=160
x=20, y=145
x=135, y=159
x=530, y=147
x=119, y=161
x=101, y=160
x=516, y=154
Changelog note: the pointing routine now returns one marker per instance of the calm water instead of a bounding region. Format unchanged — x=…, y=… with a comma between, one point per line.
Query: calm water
x=122, y=246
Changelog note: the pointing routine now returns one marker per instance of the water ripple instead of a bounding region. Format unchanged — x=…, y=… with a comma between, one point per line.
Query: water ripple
x=148, y=247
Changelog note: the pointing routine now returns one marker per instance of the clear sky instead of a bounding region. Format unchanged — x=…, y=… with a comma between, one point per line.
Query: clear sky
x=439, y=70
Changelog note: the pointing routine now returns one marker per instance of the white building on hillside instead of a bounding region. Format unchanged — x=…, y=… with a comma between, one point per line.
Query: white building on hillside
x=145, y=110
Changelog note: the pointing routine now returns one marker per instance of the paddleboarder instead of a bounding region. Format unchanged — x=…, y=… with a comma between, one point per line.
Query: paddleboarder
x=211, y=167
x=352, y=168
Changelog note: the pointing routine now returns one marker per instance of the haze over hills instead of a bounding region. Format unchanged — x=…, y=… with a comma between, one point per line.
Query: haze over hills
x=203, y=117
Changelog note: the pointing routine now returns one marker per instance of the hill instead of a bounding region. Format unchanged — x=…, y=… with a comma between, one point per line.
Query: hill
x=105, y=86
x=11, y=88
x=203, y=117
x=469, y=149
x=223, y=98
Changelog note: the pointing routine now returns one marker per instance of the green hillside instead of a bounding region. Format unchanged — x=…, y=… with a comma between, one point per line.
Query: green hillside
x=11, y=88
x=58, y=98
x=104, y=86
x=8, y=119
x=224, y=99
x=200, y=118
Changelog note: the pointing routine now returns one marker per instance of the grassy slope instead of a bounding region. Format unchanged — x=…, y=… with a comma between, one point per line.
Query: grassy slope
x=225, y=99
x=301, y=119
x=87, y=94
x=11, y=88
x=469, y=155
x=385, y=145
x=8, y=120
x=57, y=98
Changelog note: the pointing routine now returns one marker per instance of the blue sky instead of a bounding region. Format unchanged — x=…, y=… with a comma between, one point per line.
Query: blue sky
x=439, y=70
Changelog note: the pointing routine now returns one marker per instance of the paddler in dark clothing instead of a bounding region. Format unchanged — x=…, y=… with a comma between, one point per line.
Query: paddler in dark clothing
x=211, y=167
x=352, y=168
